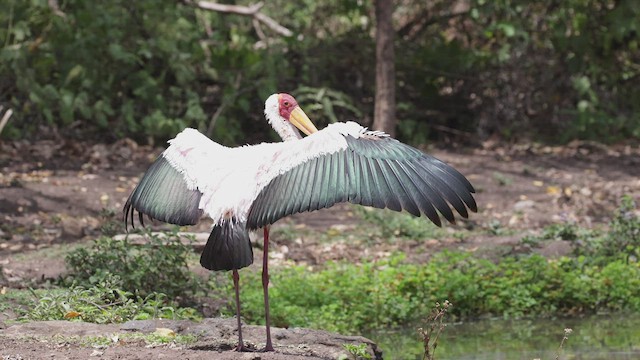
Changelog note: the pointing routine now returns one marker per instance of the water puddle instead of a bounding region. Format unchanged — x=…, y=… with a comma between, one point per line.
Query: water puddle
x=614, y=337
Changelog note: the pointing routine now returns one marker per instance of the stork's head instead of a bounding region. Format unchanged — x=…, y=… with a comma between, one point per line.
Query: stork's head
x=285, y=115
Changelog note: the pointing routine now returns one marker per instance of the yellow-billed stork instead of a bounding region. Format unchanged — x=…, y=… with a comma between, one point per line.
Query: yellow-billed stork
x=250, y=187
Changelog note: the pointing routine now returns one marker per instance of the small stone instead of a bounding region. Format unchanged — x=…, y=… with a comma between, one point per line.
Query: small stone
x=72, y=227
x=523, y=204
x=585, y=191
x=164, y=332
x=432, y=242
x=16, y=247
x=342, y=227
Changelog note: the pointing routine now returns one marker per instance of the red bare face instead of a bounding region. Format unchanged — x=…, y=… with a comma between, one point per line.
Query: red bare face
x=287, y=104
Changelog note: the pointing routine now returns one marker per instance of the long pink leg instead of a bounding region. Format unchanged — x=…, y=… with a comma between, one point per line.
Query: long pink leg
x=236, y=285
x=265, y=287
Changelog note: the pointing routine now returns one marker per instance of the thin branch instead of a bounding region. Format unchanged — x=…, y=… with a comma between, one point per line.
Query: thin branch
x=258, y=28
x=55, y=8
x=407, y=27
x=264, y=40
x=253, y=11
x=234, y=9
x=5, y=119
x=215, y=117
x=452, y=131
x=225, y=103
x=415, y=26
x=273, y=25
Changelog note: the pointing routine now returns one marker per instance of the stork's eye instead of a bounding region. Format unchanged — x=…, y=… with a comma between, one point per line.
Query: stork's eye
x=286, y=103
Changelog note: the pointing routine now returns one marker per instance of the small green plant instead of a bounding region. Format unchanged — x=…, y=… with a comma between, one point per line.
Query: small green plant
x=357, y=351
x=624, y=235
x=104, y=303
x=530, y=240
x=622, y=241
x=390, y=224
x=431, y=333
x=502, y=179
x=565, y=337
x=324, y=101
x=495, y=228
x=161, y=264
x=149, y=339
x=111, y=222
x=564, y=231
x=286, y=233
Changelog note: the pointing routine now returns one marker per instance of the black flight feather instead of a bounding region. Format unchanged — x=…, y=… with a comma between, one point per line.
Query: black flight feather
x=163, y=194
x=373, y=170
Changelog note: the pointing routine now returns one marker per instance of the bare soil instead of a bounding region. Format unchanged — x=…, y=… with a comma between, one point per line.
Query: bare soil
x=58, y=194
x=216, y=339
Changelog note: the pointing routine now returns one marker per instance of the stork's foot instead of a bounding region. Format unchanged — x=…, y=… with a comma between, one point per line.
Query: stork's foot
x=242, y=348
x=268, y=348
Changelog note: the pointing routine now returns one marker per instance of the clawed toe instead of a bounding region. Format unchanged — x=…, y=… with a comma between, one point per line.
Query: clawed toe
x=242, y=348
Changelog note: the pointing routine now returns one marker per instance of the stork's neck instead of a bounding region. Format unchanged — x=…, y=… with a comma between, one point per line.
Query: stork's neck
x=285, y=129
x=288, y=132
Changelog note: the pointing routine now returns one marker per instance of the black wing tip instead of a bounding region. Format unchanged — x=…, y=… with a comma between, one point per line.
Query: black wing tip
x=128, y=210
x=228, y=247
x=163, y=195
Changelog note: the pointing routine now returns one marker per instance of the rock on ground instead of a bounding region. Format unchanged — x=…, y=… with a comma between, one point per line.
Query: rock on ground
x=216, y=340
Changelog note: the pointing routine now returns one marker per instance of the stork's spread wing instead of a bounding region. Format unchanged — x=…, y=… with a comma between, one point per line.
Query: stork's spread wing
x=374, y=170
x=163, y=194
x=168, y=190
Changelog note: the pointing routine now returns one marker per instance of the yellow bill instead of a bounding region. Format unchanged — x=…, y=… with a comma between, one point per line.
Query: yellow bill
x=301, y=121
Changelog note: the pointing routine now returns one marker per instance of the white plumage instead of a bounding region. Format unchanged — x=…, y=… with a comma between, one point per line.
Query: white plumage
x=231, y=178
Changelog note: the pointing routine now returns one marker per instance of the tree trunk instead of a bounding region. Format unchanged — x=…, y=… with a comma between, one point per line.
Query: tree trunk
x=385, y=108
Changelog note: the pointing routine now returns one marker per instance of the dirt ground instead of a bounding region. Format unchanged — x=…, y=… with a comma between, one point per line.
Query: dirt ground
x=216, y=340
x=54, y=193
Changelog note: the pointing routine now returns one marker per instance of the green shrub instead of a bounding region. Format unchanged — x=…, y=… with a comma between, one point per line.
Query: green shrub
x=390, y=224
x=348, y=297
x=624, y=236
x=622, y=241
x=104, y=303
x=161, y=264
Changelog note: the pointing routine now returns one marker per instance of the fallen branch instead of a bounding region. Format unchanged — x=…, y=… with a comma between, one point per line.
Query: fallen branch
x=196, y=240
x=253, y=11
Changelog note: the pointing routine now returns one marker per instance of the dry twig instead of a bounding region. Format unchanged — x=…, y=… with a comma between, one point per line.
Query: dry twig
x=435, y=325
x=253, y=11
x=567, y=332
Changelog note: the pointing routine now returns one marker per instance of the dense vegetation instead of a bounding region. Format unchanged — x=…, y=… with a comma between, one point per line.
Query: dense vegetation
x=113, y=281
x=146, y=69
x=603, y=274
x=352, y=298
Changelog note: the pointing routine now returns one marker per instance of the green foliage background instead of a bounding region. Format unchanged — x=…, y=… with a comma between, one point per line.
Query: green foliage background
x=146, y=69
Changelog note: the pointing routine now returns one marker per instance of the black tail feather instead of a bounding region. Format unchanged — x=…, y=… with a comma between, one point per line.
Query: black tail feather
x=228, y=247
